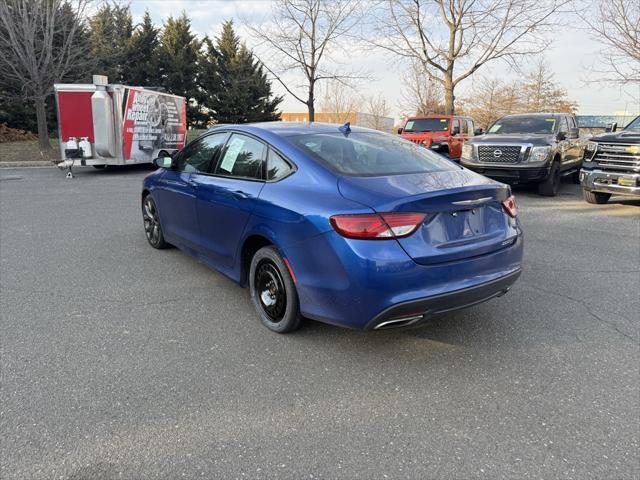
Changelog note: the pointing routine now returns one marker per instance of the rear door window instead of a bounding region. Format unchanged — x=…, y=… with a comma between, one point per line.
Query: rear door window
x=243, y=157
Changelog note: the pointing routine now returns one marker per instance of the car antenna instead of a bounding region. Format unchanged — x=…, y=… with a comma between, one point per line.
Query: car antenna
x=346, y=128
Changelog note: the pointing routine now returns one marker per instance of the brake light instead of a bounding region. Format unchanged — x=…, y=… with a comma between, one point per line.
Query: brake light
x=510, y=206
x=377, y=226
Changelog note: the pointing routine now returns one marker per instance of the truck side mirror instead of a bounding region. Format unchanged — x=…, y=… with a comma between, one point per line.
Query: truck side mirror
x=399, y=130
x=478, y=131
x=561, y=136
x=163, y=162
x=611, y=127
x=455, y=131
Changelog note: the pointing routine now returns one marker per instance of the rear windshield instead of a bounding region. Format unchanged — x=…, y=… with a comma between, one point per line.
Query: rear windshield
x=537, y=124
x=370, y=154
x=427, y=125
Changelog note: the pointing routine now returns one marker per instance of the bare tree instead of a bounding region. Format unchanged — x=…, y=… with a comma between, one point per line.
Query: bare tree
x=303, y=38
x=540, y=93
x=39, y=45
x=616, y=25
x=339, y=101
x=452, y=39
x=377, y=113
x=421, y=95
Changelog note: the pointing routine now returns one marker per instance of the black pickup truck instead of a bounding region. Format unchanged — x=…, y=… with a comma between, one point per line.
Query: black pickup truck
x=528, y=148
x=611, y=164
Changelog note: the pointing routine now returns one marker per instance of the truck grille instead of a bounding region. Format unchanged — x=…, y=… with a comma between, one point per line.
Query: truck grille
x=498, y=153
x=614, y=156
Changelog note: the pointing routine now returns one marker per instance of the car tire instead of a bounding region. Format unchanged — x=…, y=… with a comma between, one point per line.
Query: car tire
x=151, y=222
x=273, y=291
x=100, y=167
x=550, y=186
x=596, y=197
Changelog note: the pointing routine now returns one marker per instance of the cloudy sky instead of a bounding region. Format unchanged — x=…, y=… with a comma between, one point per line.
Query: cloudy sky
x=570, y=58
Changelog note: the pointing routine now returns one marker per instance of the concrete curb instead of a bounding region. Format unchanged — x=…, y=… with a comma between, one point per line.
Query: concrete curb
x=34, y=163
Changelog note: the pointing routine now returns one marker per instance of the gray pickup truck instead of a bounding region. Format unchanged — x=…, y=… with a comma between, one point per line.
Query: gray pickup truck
x=612, y=164
x=528, y=148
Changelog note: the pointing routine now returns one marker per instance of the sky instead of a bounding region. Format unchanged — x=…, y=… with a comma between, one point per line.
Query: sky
x=570, y=57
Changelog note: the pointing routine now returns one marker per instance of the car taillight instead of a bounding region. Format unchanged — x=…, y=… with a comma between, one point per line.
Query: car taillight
x=510, y=206
x=379, y=226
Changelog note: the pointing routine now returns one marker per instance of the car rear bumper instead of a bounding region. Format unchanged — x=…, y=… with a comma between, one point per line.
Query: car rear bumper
x=361, y=283
x=416, y=311
x=607, y=182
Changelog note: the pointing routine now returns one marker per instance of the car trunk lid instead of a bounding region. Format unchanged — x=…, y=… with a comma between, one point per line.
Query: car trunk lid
x=462, y=221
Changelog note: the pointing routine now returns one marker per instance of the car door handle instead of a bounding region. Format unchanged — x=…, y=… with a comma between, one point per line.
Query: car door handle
x=240, y=194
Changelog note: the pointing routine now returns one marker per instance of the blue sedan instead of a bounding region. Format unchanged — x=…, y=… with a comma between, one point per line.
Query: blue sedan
x=348, y=226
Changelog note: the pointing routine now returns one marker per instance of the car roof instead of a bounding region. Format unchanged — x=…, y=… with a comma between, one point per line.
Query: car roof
x=286, y=129
x=538, y=114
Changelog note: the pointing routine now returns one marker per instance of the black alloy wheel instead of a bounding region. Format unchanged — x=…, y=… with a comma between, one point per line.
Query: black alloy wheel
x=273, y=291
x=151, y=220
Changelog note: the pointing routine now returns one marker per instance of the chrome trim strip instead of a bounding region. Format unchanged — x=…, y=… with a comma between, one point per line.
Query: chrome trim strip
x=473, y=202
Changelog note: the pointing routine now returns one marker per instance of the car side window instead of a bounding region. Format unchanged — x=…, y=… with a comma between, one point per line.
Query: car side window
x=199, y=155
x=243, y=157
x=563, y=126
x=455, y=123
x=470, y=127
x=464, y=127
x=277, y=167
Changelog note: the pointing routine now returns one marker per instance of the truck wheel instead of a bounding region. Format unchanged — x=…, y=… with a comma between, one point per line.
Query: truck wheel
x=596, y=197
x=550, y=186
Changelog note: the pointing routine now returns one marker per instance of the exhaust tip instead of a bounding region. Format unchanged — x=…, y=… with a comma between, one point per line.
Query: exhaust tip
x=399, y=322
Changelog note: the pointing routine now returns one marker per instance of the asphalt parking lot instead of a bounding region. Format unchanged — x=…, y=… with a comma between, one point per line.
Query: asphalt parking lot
x=120, y=361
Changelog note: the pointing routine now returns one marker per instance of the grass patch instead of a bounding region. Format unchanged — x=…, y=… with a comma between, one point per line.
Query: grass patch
x=28, y=151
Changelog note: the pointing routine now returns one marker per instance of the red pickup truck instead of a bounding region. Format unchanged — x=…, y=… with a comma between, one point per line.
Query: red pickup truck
x=444, y=133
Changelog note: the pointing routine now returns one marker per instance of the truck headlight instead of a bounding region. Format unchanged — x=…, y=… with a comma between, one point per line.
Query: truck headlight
x=539, y=154
x=467, y=152
x=590, y=151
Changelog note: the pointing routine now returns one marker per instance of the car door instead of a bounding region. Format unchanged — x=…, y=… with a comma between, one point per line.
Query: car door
x=455, y=141
x=176, y=193
x=565, y=144
x=228, y=195
x=575, y=144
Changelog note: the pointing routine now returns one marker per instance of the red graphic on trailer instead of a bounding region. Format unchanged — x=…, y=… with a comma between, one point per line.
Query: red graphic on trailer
x=152, y=122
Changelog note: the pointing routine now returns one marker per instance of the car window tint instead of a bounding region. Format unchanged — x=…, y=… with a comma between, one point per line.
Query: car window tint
x=198, y=156
x=243, y=157
x=464, y=127
x=369, y=154
x=277, y=167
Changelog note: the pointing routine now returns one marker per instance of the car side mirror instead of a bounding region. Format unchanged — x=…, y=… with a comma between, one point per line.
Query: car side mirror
x=399, y=130
x=478, y=131
x=574, y=133
x=561, y=136
x=455, y=131
x=611, y=127
x=163, y=162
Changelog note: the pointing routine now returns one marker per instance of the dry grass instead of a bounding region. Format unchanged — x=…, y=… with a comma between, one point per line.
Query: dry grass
x=27, y=151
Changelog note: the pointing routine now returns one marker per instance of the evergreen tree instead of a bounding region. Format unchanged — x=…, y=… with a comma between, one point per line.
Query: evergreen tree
x=141, y=64
x=178, y=56
x=235, y=85
x=110, y=31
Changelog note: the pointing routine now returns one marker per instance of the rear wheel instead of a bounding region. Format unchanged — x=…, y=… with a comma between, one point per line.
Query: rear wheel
x=273, y=292
x=152, y=227
x=596, y=197
x=550, y=186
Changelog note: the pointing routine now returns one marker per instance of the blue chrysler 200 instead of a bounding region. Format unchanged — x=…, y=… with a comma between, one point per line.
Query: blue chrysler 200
x=348, y=226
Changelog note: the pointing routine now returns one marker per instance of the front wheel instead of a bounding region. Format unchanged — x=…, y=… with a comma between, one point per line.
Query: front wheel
x=550, y=186
x=273, y=291
x=596, y=197
x=151, y=220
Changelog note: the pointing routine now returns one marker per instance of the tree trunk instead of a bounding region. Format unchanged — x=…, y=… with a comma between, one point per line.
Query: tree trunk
x=311, y=103
x=449, y=98
x=43, y=131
